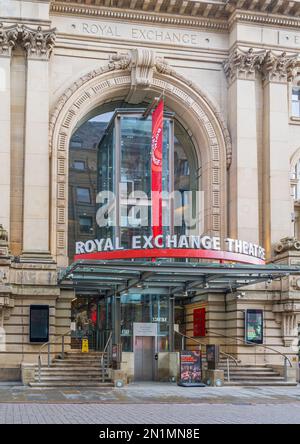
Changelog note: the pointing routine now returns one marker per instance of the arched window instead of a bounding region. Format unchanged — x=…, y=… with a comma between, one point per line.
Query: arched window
x=134, y=149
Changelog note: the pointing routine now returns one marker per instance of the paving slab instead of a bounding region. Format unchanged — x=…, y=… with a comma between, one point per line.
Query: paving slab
x=148, y=393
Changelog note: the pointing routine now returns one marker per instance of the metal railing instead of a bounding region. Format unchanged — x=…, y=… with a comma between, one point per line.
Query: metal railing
x=49, y=343
x=227, y=355
x=266, y=347
x=106, y=351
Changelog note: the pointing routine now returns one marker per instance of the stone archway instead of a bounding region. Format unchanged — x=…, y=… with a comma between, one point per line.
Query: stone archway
x=136, y=76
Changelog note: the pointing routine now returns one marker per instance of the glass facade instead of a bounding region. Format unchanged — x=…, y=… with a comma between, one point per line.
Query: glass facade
x=110, y=181
x=136, y=307
x=124, y=166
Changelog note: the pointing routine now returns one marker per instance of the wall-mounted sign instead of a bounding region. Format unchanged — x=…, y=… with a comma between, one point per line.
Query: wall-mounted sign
x=159, y=319
x=199, y=321
x=39, y=323
x=254, y=326
x=145, y=329
x=202, y=247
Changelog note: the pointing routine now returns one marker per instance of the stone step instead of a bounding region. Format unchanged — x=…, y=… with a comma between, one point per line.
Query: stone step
x=245, y=368
x=79, y=361
x=250, y=374
x=75, y=378
x=85, y=384
x=260, y=383
x=71, y=373
x=248, y=370
x=256, y=378
x=79, y=367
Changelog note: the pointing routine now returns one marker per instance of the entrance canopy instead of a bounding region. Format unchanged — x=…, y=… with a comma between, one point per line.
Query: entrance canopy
x=110, y=277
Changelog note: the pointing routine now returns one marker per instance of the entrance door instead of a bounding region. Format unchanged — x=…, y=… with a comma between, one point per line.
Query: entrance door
x=144, y=354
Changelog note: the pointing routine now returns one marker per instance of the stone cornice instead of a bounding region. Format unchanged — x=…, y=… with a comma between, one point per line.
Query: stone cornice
x=147, y=17
x=216, y=15
x=263, y=19
x=196, y=8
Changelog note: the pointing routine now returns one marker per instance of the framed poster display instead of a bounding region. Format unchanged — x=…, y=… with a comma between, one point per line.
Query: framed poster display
x=39, y=323
x=254, y=326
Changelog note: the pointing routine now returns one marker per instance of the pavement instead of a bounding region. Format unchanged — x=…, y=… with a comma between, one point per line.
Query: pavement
x=149, y=403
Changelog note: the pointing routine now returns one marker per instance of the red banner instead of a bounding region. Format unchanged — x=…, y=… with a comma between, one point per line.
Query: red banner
x=156, y=168
x=199, y=322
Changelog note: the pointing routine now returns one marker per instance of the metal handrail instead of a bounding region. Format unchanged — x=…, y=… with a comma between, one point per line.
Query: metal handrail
x=286, y=358
x=49, y=343
x=108, y=344
x=236, y=361
x=253, y=344
x=228, y=356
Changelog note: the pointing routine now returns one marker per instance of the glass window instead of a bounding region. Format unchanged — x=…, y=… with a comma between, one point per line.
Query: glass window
x=76, y=142
x=86, y=224
x=79, y=165
x=296, y=102
x=137, y=307
x=120, y=151
x=83, y=195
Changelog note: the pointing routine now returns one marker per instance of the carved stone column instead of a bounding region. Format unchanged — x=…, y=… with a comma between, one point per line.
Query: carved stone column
x=287, y=304
x=6, y=301
x=8, y=39
x=38, y=45
x=241, y=69
x=277, y=69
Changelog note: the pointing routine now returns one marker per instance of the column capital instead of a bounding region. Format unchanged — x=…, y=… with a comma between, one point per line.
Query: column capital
x=278, y=67
x=38, y=43
x=242, y=64
x=8, y=39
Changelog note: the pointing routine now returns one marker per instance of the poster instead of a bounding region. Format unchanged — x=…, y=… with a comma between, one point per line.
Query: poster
x=190, y=367
x=254, y=326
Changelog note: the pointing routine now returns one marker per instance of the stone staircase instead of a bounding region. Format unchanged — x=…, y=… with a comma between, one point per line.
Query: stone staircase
x=76, y=370
x=252, y=375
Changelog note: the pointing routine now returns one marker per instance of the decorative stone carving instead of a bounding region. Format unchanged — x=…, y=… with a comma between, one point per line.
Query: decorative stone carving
x=287, y=244
x=8, y=38
x=143, y=62
x=38, y=43
x=119, y=61
x=115, y=80
x=278, y=67
x=289, y=329
x=3, y=241
x=243, y=64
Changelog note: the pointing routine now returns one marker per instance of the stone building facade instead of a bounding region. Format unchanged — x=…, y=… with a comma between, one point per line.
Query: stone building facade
x=229, y=70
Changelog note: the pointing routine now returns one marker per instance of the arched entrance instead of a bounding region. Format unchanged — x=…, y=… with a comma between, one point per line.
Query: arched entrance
x=135, y=77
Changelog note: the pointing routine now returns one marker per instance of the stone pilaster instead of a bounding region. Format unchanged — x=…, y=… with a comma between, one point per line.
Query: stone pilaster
x=38, y=45
x=241, y=69
x=277, y=70
x=8, y=39
x=287, y=306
